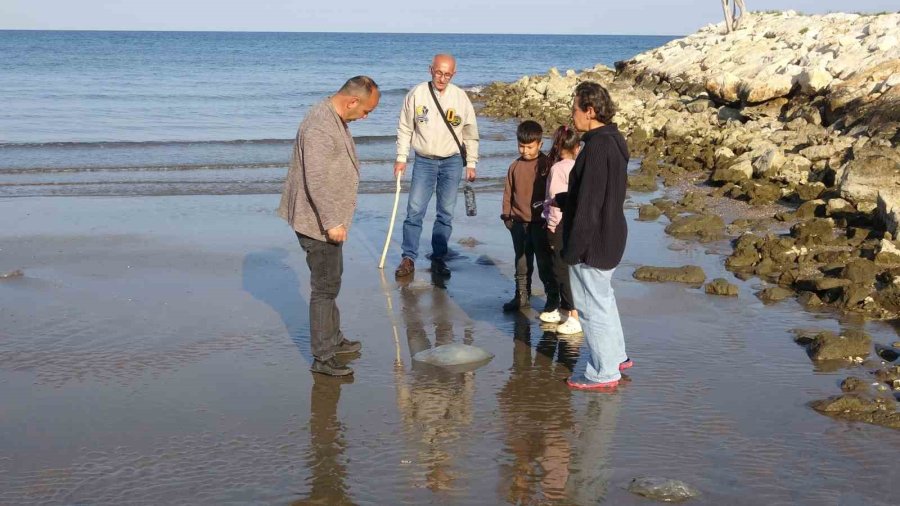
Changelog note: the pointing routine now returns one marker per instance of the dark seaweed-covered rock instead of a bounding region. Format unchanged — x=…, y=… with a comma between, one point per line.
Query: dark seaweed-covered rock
x=853, y=385
x=693, y=201
x=814, y=231
x=642, y=183
x=887, y=353
x=810, y=191
x=690, y=274
x=857, y=407
x=809, y=300
x=831, y=346
x=649, y=212
x=889, y=299
x=820, y=284
x=811, y=209
x=721, y=286
x=702, y=226
x=761, y=193
x=774, y=294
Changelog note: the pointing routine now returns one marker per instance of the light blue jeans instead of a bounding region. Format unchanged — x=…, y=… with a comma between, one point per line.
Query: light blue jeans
x=593, y=296
x=430, y=176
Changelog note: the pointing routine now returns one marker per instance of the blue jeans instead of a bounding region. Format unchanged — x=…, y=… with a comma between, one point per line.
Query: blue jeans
x=430, y=176
x=593, y=296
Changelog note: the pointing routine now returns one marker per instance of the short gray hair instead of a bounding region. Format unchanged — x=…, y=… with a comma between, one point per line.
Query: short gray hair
x=359, y=86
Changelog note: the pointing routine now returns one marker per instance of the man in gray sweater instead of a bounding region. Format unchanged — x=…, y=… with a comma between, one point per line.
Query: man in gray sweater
x=318, y=201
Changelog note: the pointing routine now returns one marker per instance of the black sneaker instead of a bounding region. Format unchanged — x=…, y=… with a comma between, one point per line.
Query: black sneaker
x=348, y=346
x=330, y=367
x=439, y=267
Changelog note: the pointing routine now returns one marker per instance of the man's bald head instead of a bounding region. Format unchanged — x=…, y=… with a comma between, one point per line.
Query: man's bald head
x=443, y=67
x=444, y=58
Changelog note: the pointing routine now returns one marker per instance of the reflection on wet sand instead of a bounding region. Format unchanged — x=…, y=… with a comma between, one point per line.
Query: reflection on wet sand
x=535, y=405
x=435, y=405
x=555, y=455
x=325, y=456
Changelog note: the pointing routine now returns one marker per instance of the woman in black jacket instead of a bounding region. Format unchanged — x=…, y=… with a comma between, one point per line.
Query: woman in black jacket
x=594, y=234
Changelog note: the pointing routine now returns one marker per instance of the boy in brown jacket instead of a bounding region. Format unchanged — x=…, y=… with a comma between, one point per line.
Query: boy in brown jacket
x=523, y=200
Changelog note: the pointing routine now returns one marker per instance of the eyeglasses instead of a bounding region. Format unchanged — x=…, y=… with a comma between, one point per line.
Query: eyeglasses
x=442, y=75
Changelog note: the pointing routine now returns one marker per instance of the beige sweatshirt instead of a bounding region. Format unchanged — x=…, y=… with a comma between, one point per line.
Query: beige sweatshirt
x=422, y=128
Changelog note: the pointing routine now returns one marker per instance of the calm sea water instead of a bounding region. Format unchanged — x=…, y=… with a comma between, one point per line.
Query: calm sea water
x=162, y=113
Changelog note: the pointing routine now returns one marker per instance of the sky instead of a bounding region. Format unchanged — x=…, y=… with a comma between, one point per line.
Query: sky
x=631, y=17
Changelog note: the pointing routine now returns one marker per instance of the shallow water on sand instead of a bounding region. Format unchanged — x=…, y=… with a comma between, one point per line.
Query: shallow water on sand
x=156, y=351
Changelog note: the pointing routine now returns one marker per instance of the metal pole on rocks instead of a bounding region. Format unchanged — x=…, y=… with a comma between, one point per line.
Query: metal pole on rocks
x=387, y=240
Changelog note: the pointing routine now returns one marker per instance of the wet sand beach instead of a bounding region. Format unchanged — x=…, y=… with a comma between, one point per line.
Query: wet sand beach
x=156, y=351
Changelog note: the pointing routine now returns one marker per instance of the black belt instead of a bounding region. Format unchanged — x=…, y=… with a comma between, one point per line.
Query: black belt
x=436, y=157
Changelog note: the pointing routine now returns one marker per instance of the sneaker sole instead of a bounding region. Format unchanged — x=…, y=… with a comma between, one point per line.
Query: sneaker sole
x=628, y=364
x=592, y=386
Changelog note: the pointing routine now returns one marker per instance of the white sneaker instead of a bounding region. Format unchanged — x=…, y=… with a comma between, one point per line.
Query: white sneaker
x=569, y=327
x=551, y=316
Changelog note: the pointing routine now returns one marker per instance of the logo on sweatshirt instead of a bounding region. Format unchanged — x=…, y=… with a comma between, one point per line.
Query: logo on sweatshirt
x=453, y=118
x=421, y=114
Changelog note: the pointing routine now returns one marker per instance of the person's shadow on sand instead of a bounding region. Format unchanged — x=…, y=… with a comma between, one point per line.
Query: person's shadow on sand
x=268, y=278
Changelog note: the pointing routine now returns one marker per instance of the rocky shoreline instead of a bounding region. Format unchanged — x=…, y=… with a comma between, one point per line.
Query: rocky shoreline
x=800, y=111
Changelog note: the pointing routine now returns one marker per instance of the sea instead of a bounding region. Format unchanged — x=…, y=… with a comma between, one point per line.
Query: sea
x=106, y=113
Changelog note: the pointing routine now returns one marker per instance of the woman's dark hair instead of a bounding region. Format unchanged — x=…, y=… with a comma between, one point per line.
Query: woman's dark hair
x=565, y=138
x=529, y=131
x=590, y=94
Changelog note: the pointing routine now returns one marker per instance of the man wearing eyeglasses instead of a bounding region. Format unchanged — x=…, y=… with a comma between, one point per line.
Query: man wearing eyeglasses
x=438, y=122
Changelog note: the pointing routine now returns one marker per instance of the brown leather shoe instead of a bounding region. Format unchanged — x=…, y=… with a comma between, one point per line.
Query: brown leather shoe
x=406, y=267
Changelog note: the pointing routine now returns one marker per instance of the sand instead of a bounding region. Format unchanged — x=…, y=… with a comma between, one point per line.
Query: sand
x=156, y=351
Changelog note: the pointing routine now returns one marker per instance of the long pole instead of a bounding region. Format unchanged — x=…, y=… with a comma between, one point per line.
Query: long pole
x=390, y=230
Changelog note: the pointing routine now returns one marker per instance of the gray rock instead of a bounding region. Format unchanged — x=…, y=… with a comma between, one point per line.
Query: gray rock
x=872, y=169
x=662, y=489
x=690, y=274
x=888, y=207
x=485, y=260
x=729, y=113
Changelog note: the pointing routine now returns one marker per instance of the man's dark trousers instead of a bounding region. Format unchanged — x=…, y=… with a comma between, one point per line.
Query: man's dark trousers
x=326, y=264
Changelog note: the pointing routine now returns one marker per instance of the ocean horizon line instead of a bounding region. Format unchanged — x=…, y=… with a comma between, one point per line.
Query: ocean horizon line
x=336, y=32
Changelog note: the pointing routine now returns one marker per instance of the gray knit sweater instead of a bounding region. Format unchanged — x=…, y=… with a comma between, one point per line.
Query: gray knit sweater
x=320, y=189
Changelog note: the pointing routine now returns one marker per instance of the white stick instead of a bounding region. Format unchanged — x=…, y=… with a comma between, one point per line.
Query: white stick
x=387, y=241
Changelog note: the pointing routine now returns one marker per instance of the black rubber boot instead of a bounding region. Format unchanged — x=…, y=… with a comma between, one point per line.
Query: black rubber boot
x=519, y=300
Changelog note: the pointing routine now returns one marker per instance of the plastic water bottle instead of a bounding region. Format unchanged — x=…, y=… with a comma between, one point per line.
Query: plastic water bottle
x=469, y=193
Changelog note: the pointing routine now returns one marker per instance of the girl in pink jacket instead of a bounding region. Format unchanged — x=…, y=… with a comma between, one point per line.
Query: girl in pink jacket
x=562, y=154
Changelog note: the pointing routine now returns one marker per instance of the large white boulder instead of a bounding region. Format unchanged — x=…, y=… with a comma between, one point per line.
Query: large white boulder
x=813, y=80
